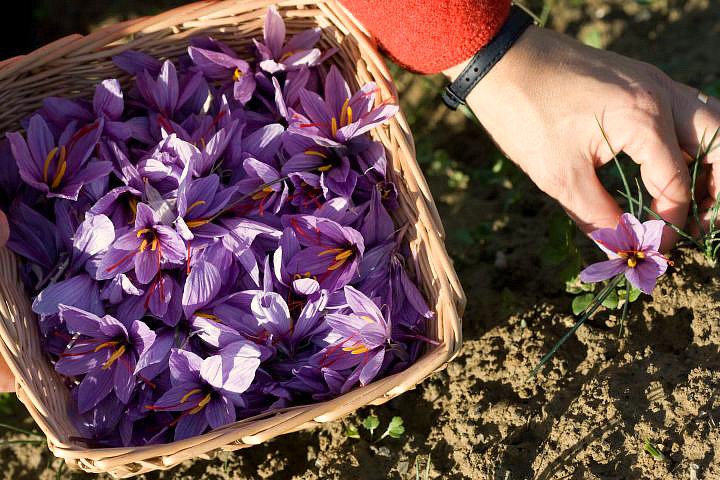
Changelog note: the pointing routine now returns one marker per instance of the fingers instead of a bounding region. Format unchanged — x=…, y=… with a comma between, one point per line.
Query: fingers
x=4, y=229
x=664, y=173
x=586, y=201
x=7, y=379
x=696, y=123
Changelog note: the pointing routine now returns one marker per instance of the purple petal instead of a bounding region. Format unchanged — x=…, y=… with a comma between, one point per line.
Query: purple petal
x=184, y=366
x=108, y=99
x=147, y=265
x=201, y=286
x=92, y=237
x=79, y=291
x=603, y=270
x=123, y=378
x=372, y=367
x=234, y=368
x=81, y=358
x=652, y=235
x=190, y=425
x=95, y=386
x=274, y=32
x=220, y=411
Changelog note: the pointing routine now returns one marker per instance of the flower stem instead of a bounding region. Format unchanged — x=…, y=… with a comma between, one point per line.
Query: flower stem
x=619, y=168
x=597, y=301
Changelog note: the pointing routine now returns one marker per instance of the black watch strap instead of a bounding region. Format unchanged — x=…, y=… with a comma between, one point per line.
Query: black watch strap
x=518, y=21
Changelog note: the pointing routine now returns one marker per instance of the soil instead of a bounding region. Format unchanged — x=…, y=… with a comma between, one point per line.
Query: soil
x=590, y=410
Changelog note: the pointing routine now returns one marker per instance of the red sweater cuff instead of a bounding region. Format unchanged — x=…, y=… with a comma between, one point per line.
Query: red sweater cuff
x=429, y=36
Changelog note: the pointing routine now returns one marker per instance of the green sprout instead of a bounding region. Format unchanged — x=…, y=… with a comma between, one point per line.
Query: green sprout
x=395, y=428
x=653, y=451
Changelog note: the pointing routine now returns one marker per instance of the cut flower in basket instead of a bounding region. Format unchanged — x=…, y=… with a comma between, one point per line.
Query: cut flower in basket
x=214, y=240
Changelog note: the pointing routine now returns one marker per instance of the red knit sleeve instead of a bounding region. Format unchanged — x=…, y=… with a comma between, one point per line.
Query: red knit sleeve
x=429, y=36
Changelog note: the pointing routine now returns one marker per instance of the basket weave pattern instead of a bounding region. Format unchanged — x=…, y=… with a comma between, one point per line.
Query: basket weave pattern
x=71, y=67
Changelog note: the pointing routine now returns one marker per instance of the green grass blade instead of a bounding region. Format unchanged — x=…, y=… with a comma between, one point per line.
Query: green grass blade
x=20, y=430
x=618, y=166
x=588, y=313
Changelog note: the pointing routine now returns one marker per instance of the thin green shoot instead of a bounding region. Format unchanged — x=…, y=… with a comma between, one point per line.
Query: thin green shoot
x=587, y=314
x=20, y=430
x=628, y=194
x=674, y=227
x=653, y=451
x=426, y=475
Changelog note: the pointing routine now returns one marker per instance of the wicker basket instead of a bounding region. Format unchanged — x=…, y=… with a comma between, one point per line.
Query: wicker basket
x=72, y=66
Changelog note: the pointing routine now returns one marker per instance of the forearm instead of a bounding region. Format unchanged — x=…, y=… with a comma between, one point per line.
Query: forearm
x=428, y=36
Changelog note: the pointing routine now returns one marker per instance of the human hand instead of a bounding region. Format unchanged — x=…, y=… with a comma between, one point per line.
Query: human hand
x=540, y=103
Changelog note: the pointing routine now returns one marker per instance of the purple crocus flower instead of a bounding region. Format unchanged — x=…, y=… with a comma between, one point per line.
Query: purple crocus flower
x=265, y=190
x=339, y=117
x=332, y=251
x=146, y=248
x=199, y=202
x=58, y=168
x=222, y=64
x=633, y=248
x=360, y=338
x=206, y=391
x=107, y=352
x=276, y=55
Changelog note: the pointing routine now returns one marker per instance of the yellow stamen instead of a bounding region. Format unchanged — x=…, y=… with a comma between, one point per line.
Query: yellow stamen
x=336, y=265
x=287, y=55
x=632, y=262
x=48, y=159
x=356, y=349
x=143, y=245
x=316, y=153
x=60, y=172
x=195, y=204
x=154, y=244
x=237, y=74
x=333, y=126
x=116, y=354
x=367, y=318
x=349, y=115
x=343, y=112
x=143, y=231
x=197, y=223
x=640, y=255
x=209, y=316
x=133, y=207
x=105, y=345
x=189, y=394
x=201, y=405
x=344, y=255
x=332, y=250
x=325, y=168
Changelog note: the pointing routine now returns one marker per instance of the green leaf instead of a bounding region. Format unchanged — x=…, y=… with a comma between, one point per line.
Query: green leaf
x=371, y=423
x=634, y=294
x=612, y=300
x=581, y=302
x=395, y=429
x=352, y=432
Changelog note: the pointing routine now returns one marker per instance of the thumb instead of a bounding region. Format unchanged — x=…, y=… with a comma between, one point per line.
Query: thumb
x=4, y=229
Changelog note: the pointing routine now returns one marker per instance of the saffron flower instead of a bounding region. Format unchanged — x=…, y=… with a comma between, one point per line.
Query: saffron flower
x=58, y=168
x=107, y=352
x=360, y=339
x=224, y=66
x=206, y=391
x=146, y=248
x=299, y=51
x=633, y=248
x=340, y=117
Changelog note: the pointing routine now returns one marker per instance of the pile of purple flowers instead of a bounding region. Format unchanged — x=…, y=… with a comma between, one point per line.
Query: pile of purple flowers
x=212, y=242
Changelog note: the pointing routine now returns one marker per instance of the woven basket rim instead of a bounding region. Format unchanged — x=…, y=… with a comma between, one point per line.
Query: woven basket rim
x=450, y=302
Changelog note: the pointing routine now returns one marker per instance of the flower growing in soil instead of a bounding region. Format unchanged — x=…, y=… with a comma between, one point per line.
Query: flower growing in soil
x=633, y=248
